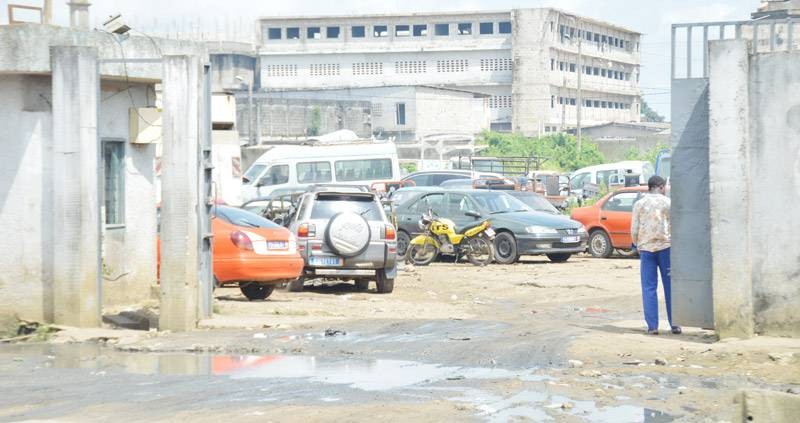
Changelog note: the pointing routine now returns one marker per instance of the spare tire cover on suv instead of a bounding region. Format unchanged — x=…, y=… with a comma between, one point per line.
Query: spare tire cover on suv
x=347, y=234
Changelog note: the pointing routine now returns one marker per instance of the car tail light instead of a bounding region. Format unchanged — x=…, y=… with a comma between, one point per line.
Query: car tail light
x=390, y=233
x=306, y=230
x=241, y=240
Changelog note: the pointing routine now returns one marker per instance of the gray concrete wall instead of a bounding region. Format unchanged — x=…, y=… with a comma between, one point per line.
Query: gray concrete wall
x=129, y=251
x=26, y=200
x=531, y=55
x=775, y=192
x=26, y=196
x=755, y=185
x=285, y=117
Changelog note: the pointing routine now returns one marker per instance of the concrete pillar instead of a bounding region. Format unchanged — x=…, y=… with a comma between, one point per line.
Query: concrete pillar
x=729, y=184
x=180, y=264
x=76, y=245
x=79, y=14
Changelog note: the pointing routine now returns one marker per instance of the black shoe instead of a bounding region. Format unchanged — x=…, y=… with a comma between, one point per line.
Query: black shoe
x=676, y=330
x=652, y=331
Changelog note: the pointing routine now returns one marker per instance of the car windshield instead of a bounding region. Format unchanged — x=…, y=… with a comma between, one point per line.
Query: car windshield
x=253, y=172
x=244, y=218
x=536, y=202
x=325, y=207
x=499, y=202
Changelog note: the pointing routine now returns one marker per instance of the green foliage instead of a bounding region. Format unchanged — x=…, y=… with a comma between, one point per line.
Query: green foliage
x=561, y=150
x=409, y=167
x=650, y=115
x=650, y=155
x=316, y=121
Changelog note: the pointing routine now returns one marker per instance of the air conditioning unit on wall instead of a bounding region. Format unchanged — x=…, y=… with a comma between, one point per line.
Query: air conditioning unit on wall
x=145, y=125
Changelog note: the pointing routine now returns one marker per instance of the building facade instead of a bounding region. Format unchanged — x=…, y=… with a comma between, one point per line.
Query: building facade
x=525, y=61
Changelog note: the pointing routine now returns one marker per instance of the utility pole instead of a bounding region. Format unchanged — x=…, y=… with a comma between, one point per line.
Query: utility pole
x=580, y=97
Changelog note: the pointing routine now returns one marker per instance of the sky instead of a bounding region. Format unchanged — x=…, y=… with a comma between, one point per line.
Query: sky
x=650, y=17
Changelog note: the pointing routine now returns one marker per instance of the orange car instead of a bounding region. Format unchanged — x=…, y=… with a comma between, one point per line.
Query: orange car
x=251, y=251
x=608, y=221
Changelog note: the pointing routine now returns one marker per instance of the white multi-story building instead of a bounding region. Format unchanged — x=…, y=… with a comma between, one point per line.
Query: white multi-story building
x=524, y=61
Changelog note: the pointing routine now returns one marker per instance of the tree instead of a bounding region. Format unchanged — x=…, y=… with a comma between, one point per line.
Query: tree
x=650, y=115
x=650, y=155
x=561, y=150
x=316, y=121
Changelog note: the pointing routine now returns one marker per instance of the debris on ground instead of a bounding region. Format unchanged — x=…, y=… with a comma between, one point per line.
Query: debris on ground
x=633, y=362
x=458, y=339
x=575, y=363
x=334, y=332
x=660, y=361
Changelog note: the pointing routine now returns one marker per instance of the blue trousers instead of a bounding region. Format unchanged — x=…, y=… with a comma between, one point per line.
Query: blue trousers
x=651, y=263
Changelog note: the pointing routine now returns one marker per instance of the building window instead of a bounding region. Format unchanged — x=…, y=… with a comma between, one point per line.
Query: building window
x=495, y=65
x=274, y=33
x=572, y=67
x=421, y=30
x=552, y=64
x=332, y=32
x=380, y=31
x=596, y=37
x=377, y=110
x=293, y=33
x=402, y=30
x=114, y=181
x=368, y=68
x=596, y=71
x=588, y=35
x=401, y=113
x=504, y=27
x=313, y=33
x=561, y=66
x=324, y=69
x=597, y=104
x=487, y=28
x=447, y=66
x=281, y=70
x=465, y=29
x=441, y=30
x=552, y=101
x=358, y=31
x=410, y=66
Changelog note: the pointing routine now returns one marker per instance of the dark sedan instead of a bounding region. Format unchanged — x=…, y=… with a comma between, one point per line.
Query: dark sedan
x=520, y=230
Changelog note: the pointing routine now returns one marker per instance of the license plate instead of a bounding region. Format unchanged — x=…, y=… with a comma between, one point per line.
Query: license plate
x=277, y=245
x=324, y=261
x=570, y=239
x=489, y=232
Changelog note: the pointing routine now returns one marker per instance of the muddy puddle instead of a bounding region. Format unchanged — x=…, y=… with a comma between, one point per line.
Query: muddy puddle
x=340, y=379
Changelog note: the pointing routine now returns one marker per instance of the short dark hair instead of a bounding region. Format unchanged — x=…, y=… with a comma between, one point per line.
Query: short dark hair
x=655, y=182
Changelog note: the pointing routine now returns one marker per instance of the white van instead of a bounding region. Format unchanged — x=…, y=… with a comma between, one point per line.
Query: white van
x=609, y=173
x=285, y=169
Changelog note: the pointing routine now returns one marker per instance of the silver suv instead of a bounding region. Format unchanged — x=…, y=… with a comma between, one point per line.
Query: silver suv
x=345, y=235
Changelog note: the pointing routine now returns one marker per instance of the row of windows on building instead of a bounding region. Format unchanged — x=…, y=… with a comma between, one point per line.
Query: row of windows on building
x=569, y=32
x=598, y=104
x=590, y=70
x=400, y=67
x=500, y=102
x=382, y=31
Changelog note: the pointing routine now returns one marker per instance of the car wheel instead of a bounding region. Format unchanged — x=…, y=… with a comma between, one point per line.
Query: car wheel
x=255, y=290
x=505, y=248
x=297, y=285
x=559, y=258
x=362, y=285
x=403, y=239
x=600, y=244
x=385, y=285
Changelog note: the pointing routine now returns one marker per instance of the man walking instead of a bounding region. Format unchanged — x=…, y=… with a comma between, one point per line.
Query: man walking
x=650, y=231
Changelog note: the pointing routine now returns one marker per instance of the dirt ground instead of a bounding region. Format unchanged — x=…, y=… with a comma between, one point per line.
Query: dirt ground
x=532, y=341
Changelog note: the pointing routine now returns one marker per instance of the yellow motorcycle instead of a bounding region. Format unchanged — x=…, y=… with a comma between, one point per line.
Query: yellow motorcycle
x=439, y=236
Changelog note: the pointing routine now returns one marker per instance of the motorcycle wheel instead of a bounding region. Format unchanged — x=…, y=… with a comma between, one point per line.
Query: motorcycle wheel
x=421, y=255
x=480, y=252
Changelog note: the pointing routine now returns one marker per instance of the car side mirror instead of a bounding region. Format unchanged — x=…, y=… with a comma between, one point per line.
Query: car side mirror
x=474, y=214
x=260, y=183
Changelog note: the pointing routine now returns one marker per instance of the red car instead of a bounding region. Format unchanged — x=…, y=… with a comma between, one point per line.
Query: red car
x=608, y=221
